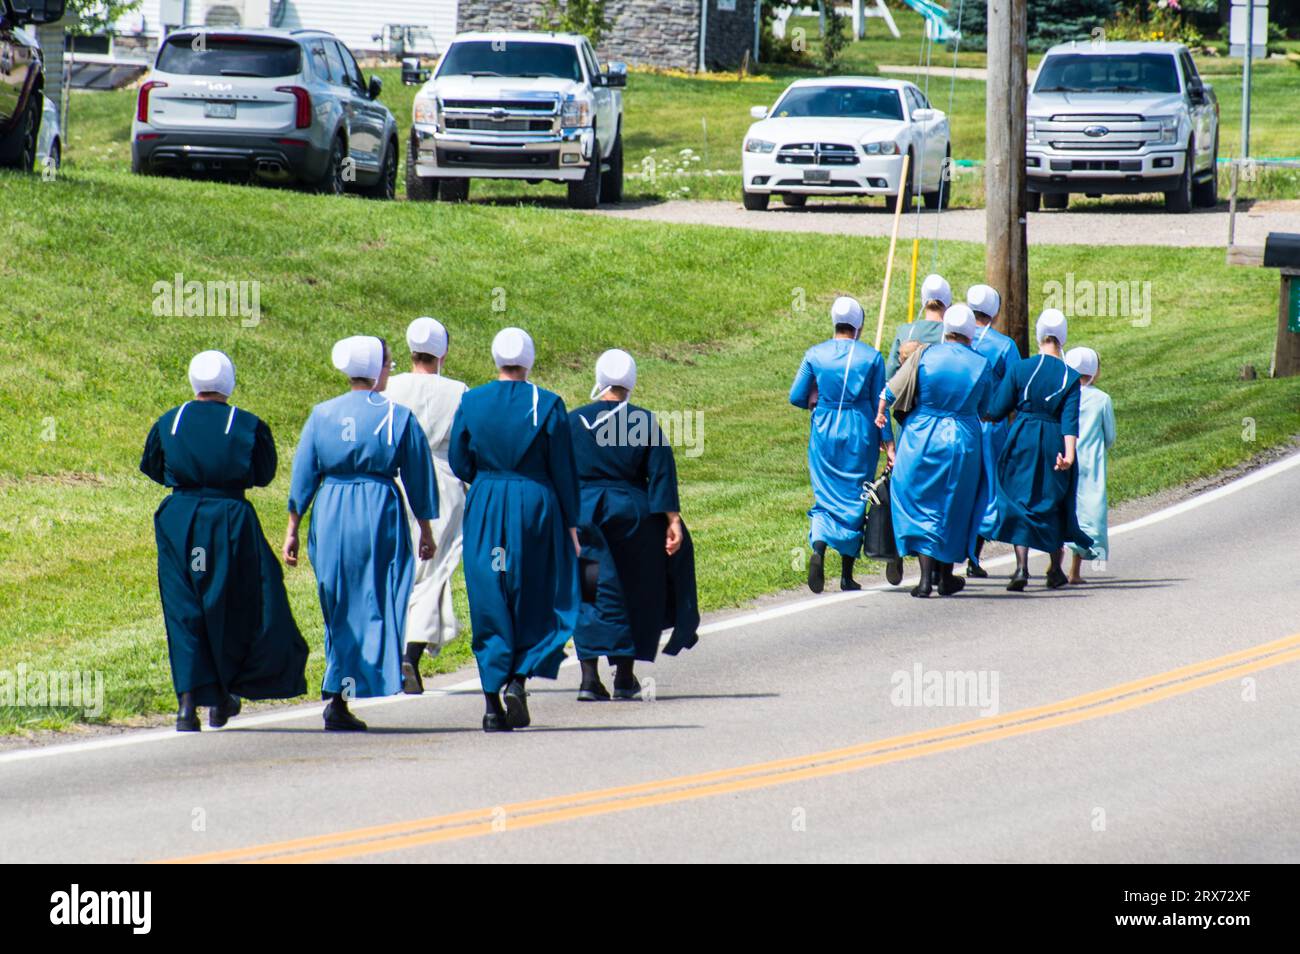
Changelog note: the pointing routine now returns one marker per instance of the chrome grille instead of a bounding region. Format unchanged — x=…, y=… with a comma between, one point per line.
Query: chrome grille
x=817, y=154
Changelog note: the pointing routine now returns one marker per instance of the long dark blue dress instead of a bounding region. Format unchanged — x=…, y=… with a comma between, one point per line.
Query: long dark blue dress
x=229, y=627
x=629, y=482
x=510, y=442
x=1035, y=505
x=1000, y=352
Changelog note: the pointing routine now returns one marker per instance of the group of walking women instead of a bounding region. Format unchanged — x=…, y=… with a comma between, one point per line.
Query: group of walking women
x=570, y=529
x=985, y=450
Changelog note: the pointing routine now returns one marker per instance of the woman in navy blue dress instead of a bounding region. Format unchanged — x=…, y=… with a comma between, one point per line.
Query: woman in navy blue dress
x=510, y=442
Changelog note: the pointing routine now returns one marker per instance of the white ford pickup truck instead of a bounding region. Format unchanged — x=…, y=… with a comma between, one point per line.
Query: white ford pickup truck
x=1112, y=118
x=530, y=106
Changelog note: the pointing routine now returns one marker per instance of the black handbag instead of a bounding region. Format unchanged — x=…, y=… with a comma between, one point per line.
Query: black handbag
x=878, y=533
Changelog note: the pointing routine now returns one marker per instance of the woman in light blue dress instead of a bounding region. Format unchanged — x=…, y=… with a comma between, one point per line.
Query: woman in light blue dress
x=351, y=450
x=1096, y=437
x=839, y=381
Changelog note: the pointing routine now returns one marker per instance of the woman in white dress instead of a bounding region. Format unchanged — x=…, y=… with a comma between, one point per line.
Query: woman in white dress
x=434, y=398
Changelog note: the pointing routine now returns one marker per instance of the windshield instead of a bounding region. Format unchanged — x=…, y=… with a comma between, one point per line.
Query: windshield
x=229, y=56
x=511, y=58
x=1110, y=73
x=849, y=102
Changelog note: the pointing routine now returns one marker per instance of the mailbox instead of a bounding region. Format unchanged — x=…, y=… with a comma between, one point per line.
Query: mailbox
x=1282, y=250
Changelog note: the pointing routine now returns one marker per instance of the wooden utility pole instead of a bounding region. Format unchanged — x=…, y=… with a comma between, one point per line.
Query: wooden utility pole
x=1006, y=262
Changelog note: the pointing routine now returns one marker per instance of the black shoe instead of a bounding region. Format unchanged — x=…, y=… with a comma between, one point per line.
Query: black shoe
x=495, y=722
x=593, y=692
x=975, y=571
x=949, y=585
x=220, y=715
x=922, y=589
x=187, y=715
x=412, y=684
x=1056, y=578
x=816, y=574
x=935, y=577
x=516, y=699
x=848, y=586
x=339, y=718
x=1019, y=580
x=894, y=572
x=628, y=690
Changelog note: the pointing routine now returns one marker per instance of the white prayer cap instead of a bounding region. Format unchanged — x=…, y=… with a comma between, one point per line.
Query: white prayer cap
x=959, y=320
x=847, y=311
x=984, y=299
x=512, y=346
x=1051, y=324
x=361, y=356
x=1083, y=360
x=614, y=369
x=934, y=288
x=212, y=371
x=427, y=336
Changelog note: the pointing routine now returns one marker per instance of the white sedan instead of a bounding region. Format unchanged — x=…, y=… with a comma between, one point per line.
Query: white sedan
x=846, y=136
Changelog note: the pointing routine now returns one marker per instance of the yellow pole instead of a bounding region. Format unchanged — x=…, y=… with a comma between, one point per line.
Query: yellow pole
x=911, y=288
x=893, y=241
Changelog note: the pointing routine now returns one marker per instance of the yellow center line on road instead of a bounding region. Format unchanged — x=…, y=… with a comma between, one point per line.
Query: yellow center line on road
x=531, y=814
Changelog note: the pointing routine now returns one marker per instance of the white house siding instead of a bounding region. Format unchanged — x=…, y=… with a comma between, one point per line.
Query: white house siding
x=355, y=22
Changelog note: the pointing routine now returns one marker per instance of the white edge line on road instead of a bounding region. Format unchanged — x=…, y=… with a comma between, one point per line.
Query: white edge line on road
x=288, y=714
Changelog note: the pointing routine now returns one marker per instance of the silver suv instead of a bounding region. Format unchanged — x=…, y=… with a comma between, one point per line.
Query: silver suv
x=272, y=105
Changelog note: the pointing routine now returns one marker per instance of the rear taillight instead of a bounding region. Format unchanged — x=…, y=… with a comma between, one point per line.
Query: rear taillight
x=142, y=107
x=302, y=117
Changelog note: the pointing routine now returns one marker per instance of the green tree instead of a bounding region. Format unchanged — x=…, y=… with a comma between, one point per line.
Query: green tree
x=97, y=16
x=587, y=17
x=1050, y=21
x=834, y=39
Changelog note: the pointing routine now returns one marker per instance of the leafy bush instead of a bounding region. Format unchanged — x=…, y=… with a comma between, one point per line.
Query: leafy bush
x=1050, y=21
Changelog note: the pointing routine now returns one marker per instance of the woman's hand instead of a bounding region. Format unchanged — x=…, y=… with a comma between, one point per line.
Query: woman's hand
x=290, y=551
x=1064, y=461
x=673, y=541
x=889, y=453
x=427, y=548
x=881, y=421
x=577, y=547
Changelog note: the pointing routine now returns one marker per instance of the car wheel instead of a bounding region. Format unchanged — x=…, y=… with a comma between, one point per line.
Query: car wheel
x=1180, y=199
x=794, y=201
x=611, y=183
x=891, y=201
x=20, y=153
x=333, y=182
x=755, y=201
x=453, y=190
x=1205, y=194
x=941, y=197
x=418, y=188
x=385, y=186
x=1056, y=200
x=1033, y=201
x=585, y=193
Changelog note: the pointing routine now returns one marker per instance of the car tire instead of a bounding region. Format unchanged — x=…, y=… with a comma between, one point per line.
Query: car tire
x=585, y=193
x=332, y=181
x=418, y=188
x=20, y=151
x=1179, y=200
x=1205, y=194
x=941, y=197
x=1033, y=201
x=385, y=187
x=909, y=196
x=755, y=201
x=794, y=201
x=453, y=190
x=1056, y=200
x=611, y=183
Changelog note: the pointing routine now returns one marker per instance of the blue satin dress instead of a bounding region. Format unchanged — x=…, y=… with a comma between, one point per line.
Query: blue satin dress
x=510, y=442
x=1001, y=352
x=843, y=440
x=351, y=450
x=942, y=475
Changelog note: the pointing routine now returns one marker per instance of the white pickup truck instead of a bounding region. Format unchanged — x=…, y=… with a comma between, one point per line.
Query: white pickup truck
x=530, y=106
x=1110, y=118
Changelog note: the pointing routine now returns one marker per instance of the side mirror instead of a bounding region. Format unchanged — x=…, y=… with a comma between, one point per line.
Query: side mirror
x=924, y=115
x=376, y=87
x=413, y=74
x=37, y=11
x=1197, y=95
x=758, y=112
x=615, y=75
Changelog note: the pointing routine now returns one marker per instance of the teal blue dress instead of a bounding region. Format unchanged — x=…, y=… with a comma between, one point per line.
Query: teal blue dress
x=1000, y=352
x=510, y=442
x=351, y=451
x=229, y=626
x=1035, y=505
x=1096, y=437
x=843, y=440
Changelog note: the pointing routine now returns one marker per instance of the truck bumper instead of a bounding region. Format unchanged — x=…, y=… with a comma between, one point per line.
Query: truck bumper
x=562, y=156
x=1054, y=173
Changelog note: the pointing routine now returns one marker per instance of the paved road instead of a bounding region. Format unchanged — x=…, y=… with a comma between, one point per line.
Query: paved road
x=1129, y=225
x=789, y=721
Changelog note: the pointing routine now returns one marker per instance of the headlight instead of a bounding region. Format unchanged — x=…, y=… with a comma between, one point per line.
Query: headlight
x=888, y=148
x=576, y=112
x=426, y=110
x=1031, y=130
x=1168, y=128
x=759, y=145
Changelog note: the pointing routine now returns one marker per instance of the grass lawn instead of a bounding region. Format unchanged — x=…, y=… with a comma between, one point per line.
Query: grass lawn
x=718, y=320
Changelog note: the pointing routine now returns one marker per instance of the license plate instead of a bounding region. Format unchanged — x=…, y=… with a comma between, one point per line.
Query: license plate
x=219, y=110
x=817, y=175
